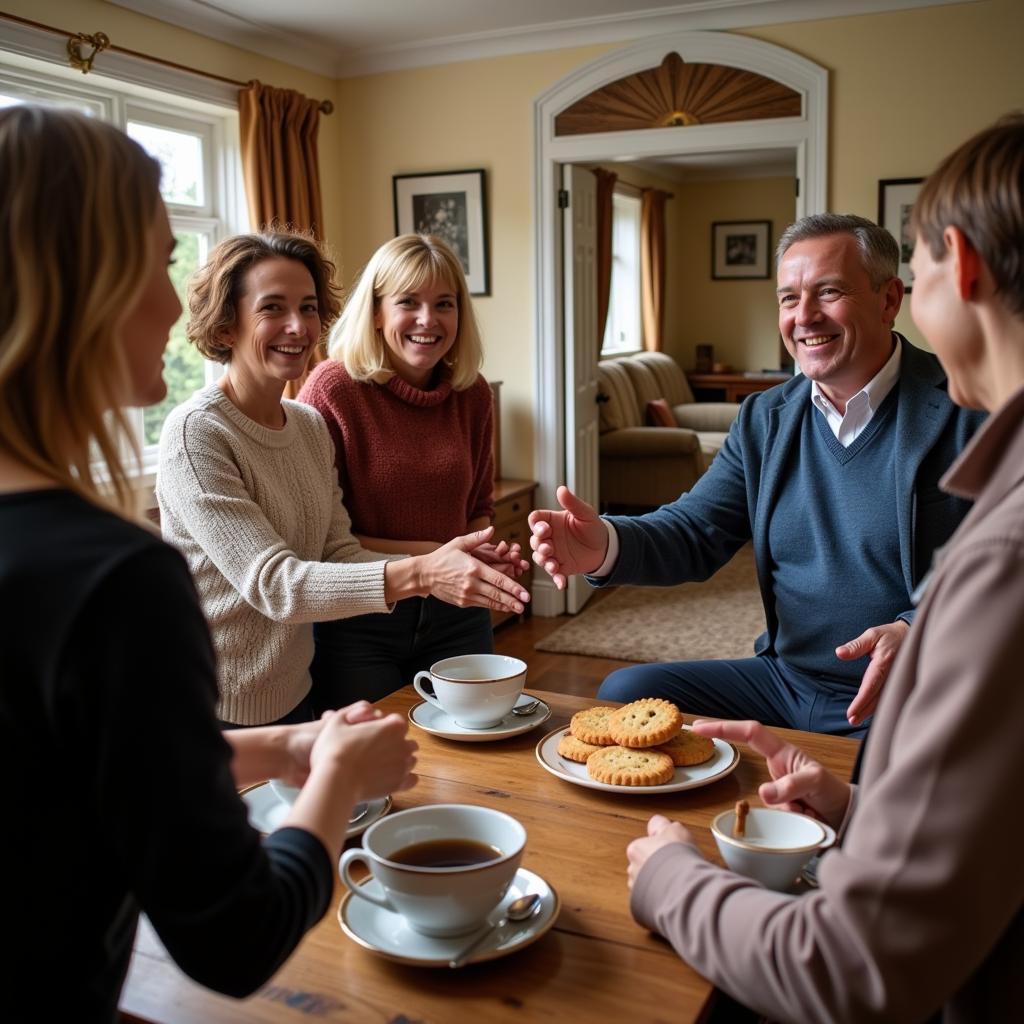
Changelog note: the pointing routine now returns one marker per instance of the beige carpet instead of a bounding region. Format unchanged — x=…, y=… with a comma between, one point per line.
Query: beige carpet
x=716, y=619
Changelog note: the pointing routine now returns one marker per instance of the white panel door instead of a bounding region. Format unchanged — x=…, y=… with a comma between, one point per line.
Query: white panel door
x=579, y=231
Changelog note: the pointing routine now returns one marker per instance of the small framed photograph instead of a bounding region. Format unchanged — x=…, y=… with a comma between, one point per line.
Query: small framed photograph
x=895, y=201
x=740, y=249
x=453, y=206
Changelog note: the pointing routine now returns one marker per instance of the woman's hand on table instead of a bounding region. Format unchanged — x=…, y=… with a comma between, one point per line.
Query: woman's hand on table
x=798, y=783
x=660, y=832
x=370, y=750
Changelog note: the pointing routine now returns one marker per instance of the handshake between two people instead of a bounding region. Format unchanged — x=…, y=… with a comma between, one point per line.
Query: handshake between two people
x=468, y=571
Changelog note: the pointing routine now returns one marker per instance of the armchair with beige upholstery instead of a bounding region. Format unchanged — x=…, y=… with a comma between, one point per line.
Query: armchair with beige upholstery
x=657, y=375
x=644, y=465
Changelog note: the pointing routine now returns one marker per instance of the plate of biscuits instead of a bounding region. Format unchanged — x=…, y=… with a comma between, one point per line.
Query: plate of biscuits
x=642, y=747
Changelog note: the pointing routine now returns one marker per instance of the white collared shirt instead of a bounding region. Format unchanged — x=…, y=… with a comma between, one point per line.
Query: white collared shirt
x=859, y=410
x=848, y=426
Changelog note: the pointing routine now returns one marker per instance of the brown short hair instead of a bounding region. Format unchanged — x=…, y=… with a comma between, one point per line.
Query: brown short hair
x=214, y=290
x=979, y=188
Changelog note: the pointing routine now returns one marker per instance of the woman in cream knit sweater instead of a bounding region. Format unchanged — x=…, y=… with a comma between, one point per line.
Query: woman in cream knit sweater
x=248, y=491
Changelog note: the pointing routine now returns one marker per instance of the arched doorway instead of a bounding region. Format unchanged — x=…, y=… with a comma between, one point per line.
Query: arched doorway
x=806, y=132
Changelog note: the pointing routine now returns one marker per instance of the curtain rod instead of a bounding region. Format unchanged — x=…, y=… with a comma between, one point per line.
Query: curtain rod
x=100, y=41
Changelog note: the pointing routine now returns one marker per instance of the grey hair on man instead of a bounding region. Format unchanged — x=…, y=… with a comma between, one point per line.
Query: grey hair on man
x=879, y=253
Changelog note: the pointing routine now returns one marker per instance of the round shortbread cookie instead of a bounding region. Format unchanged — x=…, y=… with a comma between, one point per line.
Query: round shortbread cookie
x=688, y=749
x=645, y=723
x=623, y=767
x=573, y=749
x=591, y=725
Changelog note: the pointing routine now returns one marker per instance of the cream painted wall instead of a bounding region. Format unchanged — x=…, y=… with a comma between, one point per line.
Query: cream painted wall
x=905, y=88
x=737, y=317
x=456, y=117
x=156, y=38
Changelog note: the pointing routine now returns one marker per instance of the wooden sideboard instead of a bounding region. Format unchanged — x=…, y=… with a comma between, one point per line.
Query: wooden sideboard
x=731, y=387
x=513, y=502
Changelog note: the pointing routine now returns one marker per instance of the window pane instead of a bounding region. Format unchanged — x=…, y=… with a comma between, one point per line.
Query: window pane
x=181, y=157
x=183, y=365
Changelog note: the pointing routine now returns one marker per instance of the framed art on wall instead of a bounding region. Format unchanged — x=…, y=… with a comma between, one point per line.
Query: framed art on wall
x=895, y=201
x=739, y=249
x=451, y=205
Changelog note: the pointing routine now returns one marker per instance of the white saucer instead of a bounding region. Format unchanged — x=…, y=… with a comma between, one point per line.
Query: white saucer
x=437, y=723
x=267, y=812
x=724, y=761
x=388, y=934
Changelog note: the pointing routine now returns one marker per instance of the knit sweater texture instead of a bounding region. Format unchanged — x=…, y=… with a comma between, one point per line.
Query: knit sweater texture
x=258, y=515
x=413, y=463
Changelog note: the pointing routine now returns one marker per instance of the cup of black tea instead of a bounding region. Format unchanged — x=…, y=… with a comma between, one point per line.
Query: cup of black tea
x=443, y=867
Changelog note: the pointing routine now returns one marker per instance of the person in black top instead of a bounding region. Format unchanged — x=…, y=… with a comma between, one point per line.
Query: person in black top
x=121, y=790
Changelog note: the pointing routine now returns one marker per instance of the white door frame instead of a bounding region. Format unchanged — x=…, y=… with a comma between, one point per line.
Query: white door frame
x=807, y=134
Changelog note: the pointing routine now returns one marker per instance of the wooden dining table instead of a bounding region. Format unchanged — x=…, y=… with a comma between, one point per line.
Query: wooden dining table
x=595, y=963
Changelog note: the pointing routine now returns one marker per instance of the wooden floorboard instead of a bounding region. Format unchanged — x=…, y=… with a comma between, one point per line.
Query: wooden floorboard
x=562, y=673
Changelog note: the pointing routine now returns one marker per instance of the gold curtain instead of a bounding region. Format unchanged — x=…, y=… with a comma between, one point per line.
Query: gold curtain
x=652, y=267
x=279, y=129
x=605, y=189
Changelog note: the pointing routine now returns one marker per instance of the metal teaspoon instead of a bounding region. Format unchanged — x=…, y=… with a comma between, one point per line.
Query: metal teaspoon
x=518, y=910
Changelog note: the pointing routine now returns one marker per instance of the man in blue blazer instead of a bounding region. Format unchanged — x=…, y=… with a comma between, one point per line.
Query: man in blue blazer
x=834, y=478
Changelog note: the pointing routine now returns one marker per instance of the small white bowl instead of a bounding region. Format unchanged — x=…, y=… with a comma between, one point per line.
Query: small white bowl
x=775, y=847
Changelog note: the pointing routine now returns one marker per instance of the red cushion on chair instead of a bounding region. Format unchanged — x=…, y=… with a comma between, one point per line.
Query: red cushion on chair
x=659, y=414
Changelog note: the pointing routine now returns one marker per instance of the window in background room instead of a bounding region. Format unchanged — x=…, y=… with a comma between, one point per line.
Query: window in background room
x=196, y=145
x=622, y=332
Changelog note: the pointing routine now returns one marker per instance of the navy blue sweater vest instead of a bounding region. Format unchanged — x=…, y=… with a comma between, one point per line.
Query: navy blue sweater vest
x=835, y=545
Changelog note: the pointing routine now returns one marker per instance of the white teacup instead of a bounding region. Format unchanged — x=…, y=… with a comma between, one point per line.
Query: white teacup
x=476, y=691
x=775, y=846
x=439, y=901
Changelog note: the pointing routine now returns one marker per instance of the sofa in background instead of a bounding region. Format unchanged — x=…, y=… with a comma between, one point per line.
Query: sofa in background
x=643, y=465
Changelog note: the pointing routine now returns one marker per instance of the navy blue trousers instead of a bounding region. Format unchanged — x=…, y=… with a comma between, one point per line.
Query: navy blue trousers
x=764, y=688
x=369, y=656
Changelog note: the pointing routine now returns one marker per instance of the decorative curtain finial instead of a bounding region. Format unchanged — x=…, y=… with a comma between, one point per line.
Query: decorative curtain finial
x=76, y=58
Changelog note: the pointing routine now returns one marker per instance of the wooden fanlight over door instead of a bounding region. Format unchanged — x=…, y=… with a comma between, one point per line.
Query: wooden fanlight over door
x=678, y=94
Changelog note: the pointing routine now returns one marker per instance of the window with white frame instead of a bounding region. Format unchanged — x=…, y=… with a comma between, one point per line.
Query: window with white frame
x=622, y=332
x=196, y=144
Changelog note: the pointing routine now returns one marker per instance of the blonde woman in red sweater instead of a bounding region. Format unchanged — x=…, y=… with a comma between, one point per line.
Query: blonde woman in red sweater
x=412, y=422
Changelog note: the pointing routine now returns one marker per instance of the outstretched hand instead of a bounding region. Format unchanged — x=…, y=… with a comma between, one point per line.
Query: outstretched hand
x=881, y=643
x=568, y=542
x=452, y=573
x=799, y=782
x=506, y=558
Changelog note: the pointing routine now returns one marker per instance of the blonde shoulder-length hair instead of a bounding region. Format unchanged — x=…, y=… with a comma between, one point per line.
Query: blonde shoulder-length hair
x=78, y=203
x=406, y=263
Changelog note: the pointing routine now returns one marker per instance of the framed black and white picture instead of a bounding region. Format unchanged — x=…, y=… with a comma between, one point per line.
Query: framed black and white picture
x=895, y=201
x=453, y=206
x=740, y=249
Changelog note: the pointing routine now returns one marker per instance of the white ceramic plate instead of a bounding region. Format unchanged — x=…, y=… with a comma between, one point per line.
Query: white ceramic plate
x=437, y=723
x=267, y=812
x=723, y=761
x=388, y=935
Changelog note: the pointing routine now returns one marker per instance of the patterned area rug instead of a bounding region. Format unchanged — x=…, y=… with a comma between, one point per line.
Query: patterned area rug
x=719, y=618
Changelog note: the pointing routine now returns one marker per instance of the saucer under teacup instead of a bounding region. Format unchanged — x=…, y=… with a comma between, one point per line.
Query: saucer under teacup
x=433, y=720
x=267, y=810
x=389, y=935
